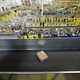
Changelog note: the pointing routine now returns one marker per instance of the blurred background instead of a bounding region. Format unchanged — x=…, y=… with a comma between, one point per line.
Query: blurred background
x=39, y=18
x=47, y=76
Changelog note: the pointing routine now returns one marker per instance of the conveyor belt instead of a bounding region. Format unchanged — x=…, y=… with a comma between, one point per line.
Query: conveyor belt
x=19, y=61
x=36, y=44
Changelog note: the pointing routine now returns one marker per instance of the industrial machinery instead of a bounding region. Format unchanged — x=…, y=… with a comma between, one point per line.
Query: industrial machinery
x=30, y=26
x=42, y=21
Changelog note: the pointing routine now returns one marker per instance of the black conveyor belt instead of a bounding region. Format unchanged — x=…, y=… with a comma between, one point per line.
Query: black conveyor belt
x=19, y=61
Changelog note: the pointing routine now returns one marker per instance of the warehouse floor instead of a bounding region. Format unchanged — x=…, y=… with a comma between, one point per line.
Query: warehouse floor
x=47, y=76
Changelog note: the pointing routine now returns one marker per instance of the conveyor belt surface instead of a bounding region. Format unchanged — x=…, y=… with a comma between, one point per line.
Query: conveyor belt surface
x=39, y=44
x=26, y=61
